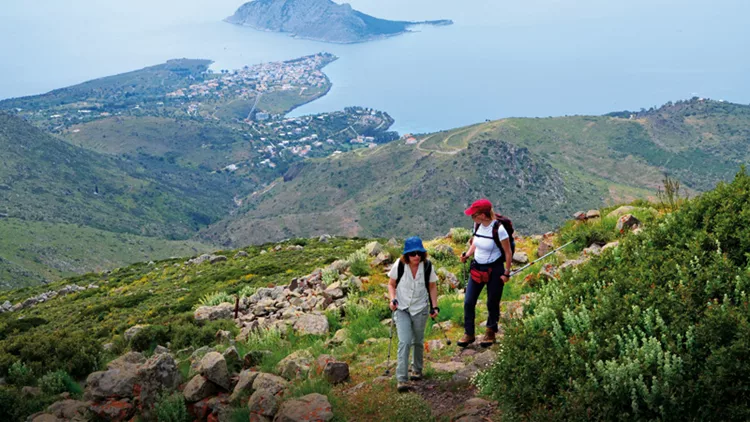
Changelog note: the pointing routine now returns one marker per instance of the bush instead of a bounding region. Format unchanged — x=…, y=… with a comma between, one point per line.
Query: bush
x=75, y=352
x=171, y=408
x=150, y=337
x=59, y=382
x=20, y=375
x=460, y=235
x=329, y=276
x=656, y=329
x=14, y=407
x=359, y=265
x=217, y=298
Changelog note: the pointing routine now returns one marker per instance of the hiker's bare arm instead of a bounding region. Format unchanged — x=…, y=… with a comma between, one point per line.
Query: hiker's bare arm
x=392, y=294
x=508, y=257
x=468, y=253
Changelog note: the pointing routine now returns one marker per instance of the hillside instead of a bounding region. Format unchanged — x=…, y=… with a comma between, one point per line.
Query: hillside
x=568, y=162
x=321, y=20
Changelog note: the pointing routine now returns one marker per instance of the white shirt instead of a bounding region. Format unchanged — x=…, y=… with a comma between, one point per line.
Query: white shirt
x=410, y=291
x=486, y=250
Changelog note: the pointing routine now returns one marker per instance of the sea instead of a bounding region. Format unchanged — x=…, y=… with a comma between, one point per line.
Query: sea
x=501, y=58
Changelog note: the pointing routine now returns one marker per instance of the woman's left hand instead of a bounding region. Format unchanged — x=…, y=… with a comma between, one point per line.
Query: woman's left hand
x=504, y=278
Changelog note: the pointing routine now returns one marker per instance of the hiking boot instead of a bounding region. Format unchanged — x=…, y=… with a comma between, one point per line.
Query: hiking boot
x=466, y=340
x=416, y=376
x=489, y=338
x=402, y=387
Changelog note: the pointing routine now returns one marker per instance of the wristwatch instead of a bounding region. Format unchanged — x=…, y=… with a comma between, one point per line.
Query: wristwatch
x=394, y=301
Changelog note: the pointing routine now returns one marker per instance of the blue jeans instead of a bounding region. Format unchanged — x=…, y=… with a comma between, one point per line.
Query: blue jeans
x=494, y=294
x=410, y=330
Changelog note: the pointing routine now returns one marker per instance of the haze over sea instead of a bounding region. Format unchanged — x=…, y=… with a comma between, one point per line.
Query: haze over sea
x=501, y=58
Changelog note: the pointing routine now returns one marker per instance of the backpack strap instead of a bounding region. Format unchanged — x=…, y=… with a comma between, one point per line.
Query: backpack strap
x=400, y=272
x=427, y=274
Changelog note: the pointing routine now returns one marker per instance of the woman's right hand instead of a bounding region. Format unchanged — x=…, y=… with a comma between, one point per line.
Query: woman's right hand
x=393, y=306
x=463, y=257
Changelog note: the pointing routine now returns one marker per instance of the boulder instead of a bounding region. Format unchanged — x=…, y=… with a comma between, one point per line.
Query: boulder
x=312, y=324
x=199, y=260
x=217, y=258
x=267, y=395
x=244, y=384
x=69, y=409
x=544, y=248
x=213, y=313
x=449, y=277
x=309, y=408
x=610, y=245
x=113, y=410
x=444, y=249
x=446, y=325
x=324, y=238
x=338, y=338
x=619, y=212
x=158, y=375
x=296, y=365
x=132, y=331
x=592, y=214
x=520, y=258
x=214, y=368
x=241, y=254
x=334, y=293
x=626, y=222
x=128, y=361
x=44, y=417
x=160, y=350
x=481, y=361
x=383, y=258
x=580, y=216
x=435, y=345
x=321, y=361
x=373, y=248
x=446, y=367
x=339, y=265
x=111, y=383
x=594, y=249
x=232, y=358
x=199, y=388
x=336, y=372
x=223, y=337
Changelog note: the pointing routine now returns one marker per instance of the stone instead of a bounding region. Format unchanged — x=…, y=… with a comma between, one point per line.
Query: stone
x=324, y=238
x=435, y=345
x=339, y=338
x=160, y=350
x=336, y=372
x=572, y=263
x=199, y=388
x=217, y=258
x=520, y=258
x=580, y=216
x=312, y=324
x=544, y=248
x=244, y=384
x=594, y=249
x=446, y=325
x=113, y=410
x=241, y=254
x=339, y=265
x=254, y=358
x=392, y=242
x=444, y=249
x=223, y=337
x=383, y=258
x=132, y=331
x=199, y=260
x=232, y=358
x=373, y=248
x=130, y=361
x=296, y=365
x=481, y=361
x=619, y=212
x=45, y=417
x=472, y=410
x=158, y=375
x=69, y=409
x=447, y=367
x=592, y=214
x=111, y=383
x=213, y=313
x=334, y=293
x=610, y=245
x=449, y=277
x=312, y=407
x=626, y=222
x=266, y=398
x=214, y=368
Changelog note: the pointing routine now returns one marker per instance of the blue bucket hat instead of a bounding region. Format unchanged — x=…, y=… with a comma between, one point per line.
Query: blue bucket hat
x=412, y=244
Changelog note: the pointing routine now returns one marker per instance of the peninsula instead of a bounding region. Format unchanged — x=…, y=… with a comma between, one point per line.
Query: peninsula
x=320, y=20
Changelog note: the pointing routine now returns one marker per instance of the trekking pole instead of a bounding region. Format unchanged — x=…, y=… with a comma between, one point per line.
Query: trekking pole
x=390, y=345
x=442, y=331
x=538, y=259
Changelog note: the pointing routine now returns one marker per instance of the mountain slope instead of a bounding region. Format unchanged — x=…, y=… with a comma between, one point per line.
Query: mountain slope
x=568, y=162
x=321, y=20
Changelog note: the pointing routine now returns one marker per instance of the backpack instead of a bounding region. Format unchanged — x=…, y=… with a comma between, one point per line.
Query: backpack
x=507, y=224
x=427, y=273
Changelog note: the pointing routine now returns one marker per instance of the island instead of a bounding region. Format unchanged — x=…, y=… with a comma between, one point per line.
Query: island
x=320, y=20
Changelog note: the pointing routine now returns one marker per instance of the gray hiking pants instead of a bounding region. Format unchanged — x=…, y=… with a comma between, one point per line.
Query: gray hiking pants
x=410, y=329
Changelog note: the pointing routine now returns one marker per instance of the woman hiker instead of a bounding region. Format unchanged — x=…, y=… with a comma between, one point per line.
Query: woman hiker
x=491, y=265
x=410, y=301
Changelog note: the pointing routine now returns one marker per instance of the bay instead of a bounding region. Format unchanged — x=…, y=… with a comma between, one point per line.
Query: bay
x=501, y=58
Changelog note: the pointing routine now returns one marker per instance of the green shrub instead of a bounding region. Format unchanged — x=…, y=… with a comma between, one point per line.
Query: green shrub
x=171, y=408
x=150, y=337
x=20, y=375
x=460, y=234
x=59, y=382
x=14, y=407
x=363, y=322
x=241, y=414
x=75, y=352
x=329, y=276
x=247, y=291
x=656, y=329
x=359, y=264
x=217, y=298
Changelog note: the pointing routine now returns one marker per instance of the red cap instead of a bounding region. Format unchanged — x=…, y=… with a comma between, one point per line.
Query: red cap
x=482, y=205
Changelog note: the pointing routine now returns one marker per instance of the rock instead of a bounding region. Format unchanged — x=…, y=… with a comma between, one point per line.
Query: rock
x=473, y=410
x=265, y=400
x=521, y=258
x=334, y=293
x=132, y=331
x=199, y=260
x=312, y=324
x=446, y=325
x=309, y=408
x=392, y=242
x=481, y=361
x=69, y=409
x=263, y=252
x=444, y=249
x=254, y=358
x=594, y=249
x=223, y=337
x=383, y=258
x=113, y=410
x=548, y=271
x=111, y=383
x=158, y=375
x=241, y=254
x=128, y=361
x=610, y=245
x=44, y=417
x=339, y=265
x=572, y=263
x=338, y=338
x=446, y=367
x=199, y=388
x=336, y=372
x=296, y=365
x=214, y=368
x=580, y=216
x=592, y=214
x=324, y=238
x=244, y=384
x=627, y=221
x=373, y=248
x=232, y=358
x=619, y=212
x=435, y=345
x=544, y=248
x=277, y=248
x=449, y=277
x=160, y=350
x=213, y=313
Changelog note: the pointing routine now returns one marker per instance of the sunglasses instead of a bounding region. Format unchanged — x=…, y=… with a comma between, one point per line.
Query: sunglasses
x=415, y=253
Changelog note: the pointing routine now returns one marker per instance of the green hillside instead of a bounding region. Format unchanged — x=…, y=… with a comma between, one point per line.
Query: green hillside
x=33, y=251
x=568, y=163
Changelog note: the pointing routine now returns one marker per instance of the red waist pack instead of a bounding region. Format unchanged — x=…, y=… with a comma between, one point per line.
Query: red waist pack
x=480, y=276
